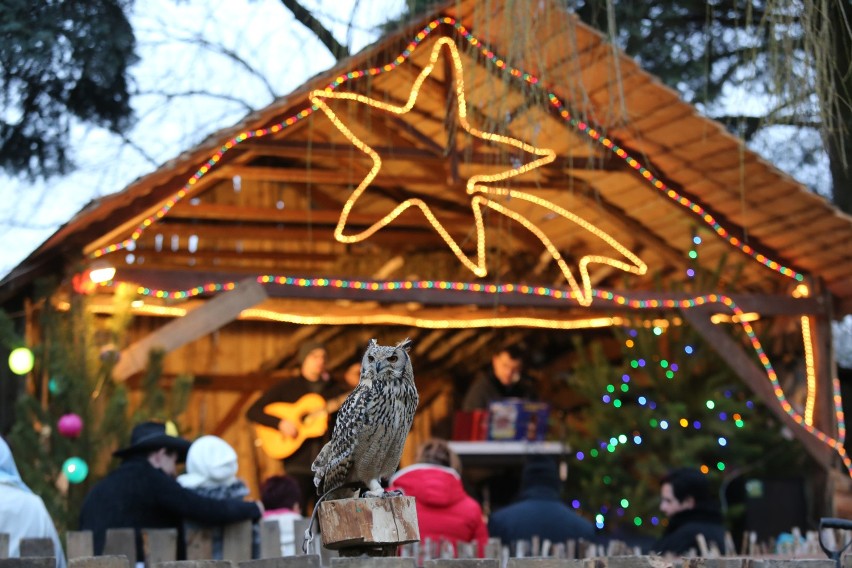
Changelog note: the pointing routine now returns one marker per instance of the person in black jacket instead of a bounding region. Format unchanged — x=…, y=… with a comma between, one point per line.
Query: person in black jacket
x=686, y=501
x=503, y=379
x=312, y=378
x=539, y=510
x=142, y=493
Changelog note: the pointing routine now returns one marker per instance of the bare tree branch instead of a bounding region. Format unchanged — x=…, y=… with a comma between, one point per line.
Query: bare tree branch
x=751, y=124
x=199, y=40
x=304, y=17
x=195, y=93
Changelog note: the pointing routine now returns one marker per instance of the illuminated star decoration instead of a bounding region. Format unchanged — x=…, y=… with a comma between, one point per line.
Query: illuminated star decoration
x=476, y=186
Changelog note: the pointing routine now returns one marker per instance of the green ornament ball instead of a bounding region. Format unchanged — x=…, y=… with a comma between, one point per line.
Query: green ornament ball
x=21, y=361
x=75, y=469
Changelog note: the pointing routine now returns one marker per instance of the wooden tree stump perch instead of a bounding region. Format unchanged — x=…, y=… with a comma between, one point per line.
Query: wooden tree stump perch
x=371, y=526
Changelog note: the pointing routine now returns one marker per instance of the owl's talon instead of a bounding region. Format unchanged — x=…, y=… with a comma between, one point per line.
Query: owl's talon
x=394, y=493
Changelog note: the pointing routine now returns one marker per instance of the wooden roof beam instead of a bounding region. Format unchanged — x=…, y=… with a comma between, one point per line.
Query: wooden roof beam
x=298, y=149
x=391, y=234
x=767, y=305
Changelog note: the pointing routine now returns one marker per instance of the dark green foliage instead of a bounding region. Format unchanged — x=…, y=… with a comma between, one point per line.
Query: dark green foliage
x=790, y=53
x=701, y=390
x=664, y=375
x=60, y=61
x=75, y=359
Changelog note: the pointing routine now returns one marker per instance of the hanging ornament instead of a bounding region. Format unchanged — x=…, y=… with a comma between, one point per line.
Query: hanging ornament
x=82, y=284
x=69, y=425
x=55, y=385
x=21, y=361
x=75, y=469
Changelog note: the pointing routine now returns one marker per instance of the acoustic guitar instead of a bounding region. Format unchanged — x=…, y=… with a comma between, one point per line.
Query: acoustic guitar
x=309, y=414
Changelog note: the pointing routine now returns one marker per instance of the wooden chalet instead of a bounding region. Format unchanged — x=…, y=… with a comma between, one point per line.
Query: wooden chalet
x=494, y=172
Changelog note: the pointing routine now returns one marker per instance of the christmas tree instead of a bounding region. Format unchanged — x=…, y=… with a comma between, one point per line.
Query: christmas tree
x=72, y=415
x=668, y=401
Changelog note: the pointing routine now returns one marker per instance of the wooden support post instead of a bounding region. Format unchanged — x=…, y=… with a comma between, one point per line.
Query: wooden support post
x=270, y=539
x=160, y=546
x=99, y=562
x=121, y=542
x=301, y=561
x=199, y=543
x=4, y=545
x=195, y=564
x=31, y=562
x=217, y=312
x=753, y=376
x=371, y=562
x=371, y=526
x=543, y=563
x=37, y=547
x=462, y=563
x=236, y=541
x=79, y=544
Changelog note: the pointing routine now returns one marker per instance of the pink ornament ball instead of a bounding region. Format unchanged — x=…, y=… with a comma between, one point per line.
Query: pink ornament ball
x=70, y=425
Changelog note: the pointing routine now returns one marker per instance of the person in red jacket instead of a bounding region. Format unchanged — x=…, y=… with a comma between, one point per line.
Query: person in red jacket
x=444, y=509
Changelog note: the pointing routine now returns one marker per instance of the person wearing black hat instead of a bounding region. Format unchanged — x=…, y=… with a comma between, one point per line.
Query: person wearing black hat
x=313, y=379
x=539, y=510
x=142, y=492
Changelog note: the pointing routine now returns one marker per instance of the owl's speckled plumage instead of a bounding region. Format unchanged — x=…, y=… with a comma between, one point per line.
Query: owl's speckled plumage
x=368, y=437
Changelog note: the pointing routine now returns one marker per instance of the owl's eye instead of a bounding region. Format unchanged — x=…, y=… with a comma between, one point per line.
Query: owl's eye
x=370, y=358
x=392, y=359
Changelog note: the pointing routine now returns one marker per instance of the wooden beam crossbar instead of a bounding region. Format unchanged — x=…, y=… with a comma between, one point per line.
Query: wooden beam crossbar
x=768, y=305
x=753, y=376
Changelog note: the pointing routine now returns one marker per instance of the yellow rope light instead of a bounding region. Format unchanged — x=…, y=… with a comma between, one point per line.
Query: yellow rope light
x=810, y=370
x=475, y=185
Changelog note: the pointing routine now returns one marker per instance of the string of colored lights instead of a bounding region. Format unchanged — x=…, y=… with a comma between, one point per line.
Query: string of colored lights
x=500, y=63
x=608, y=296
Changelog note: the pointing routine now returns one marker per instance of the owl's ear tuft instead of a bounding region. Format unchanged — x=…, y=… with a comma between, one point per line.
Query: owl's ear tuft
x=404, y=344
x=372, y=343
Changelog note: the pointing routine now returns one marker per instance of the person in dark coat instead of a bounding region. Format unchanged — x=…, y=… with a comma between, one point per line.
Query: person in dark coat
x=313, y=378
x=503, y=379
x=539, y=510
x=685, y=500
x=142, y=493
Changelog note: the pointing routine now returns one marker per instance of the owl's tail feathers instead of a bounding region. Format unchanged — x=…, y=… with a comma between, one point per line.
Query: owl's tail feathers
x=309, y=532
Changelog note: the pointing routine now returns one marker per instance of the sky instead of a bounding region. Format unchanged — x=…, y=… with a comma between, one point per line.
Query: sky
x=179, y=44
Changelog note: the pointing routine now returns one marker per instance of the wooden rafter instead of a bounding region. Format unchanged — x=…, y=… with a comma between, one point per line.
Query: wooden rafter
x=743, y=365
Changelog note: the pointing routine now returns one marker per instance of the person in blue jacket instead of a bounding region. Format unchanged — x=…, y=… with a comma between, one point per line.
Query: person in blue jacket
x=539, y=510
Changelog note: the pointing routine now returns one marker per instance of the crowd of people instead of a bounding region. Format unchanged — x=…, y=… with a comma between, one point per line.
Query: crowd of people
x=146, y=492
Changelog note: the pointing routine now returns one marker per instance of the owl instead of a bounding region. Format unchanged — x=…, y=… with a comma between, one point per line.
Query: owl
x=372, y=424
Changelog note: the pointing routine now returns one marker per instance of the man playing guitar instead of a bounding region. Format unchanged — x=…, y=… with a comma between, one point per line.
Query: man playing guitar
x=312, y=380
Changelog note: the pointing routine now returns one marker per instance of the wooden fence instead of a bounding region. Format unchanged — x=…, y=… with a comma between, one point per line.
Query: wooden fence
x=161, y=552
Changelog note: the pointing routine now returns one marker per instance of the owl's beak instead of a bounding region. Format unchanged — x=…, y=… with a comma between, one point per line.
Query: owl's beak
x=379, y=366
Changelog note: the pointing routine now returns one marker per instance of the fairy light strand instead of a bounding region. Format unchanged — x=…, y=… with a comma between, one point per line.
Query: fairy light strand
x=608, y=296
